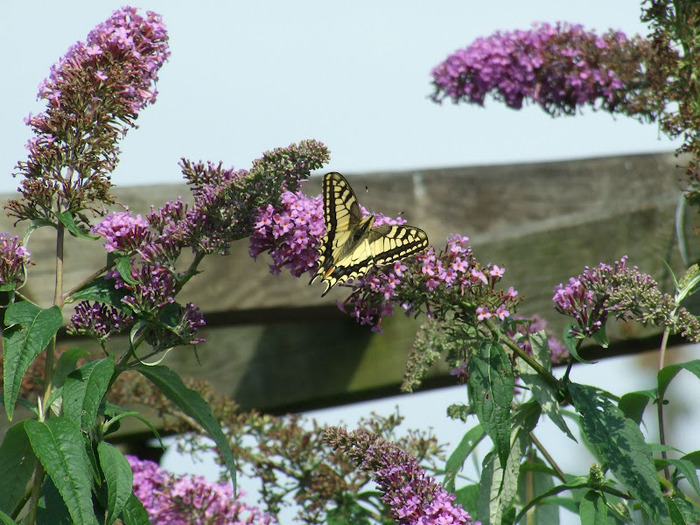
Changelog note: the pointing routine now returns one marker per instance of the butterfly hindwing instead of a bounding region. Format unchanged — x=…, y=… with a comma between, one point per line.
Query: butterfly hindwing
x=352, y=245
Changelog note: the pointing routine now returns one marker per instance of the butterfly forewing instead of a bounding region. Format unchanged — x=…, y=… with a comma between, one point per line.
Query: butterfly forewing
x=351, y=245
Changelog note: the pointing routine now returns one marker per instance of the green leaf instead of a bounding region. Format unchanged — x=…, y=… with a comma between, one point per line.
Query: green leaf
x=468, y=497
x=66, y=218
x=134, y=513
x=687, y=468
x=17, y=462
x=123, y=265
x=667, y=373
x=6, y=520
x=66, y=364
x=192, y=404
x=84, y=389
x=119, y=478
x=498, y=486
x=633, y=404
x=621, y=445
x=29, y=331
x=101, y=290
x=571, y=342
x=348, y=512
x=456, y=460
x=492, y=385
x=693, y=457
x=115, y=413
x=601, y=337
x=543, y=392
x=593, y=510
x=52, y=510
x=58, y=443
x=682, y=510
x=536, y=478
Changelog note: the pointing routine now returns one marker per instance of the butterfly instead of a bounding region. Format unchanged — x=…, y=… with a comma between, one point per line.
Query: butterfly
x=352, y=244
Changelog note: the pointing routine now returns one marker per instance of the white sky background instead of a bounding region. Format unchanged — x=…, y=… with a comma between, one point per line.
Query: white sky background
x=245, y=77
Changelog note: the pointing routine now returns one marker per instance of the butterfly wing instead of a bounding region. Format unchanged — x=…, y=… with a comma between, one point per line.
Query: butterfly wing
x=342, y=217
x=391, y=242
x=351, y=245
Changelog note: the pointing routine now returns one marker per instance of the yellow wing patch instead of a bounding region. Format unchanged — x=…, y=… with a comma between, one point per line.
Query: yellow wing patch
x=352, y=244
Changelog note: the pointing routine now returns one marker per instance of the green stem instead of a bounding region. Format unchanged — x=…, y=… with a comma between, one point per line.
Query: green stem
x=660, y=402
x=560, y=473
x=85, y=281
x=39, y=473
x=542, y=371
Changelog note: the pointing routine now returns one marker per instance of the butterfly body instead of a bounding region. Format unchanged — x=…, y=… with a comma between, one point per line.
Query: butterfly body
x=352, y=243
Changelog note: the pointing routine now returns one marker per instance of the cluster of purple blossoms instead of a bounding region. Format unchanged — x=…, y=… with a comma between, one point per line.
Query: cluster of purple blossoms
x=435, y=282
x=577, y=300
x=292, y=234
x=413, y=497
x=98, y=320
x=123, y=232
x=93, y=94
x=625, y=293
x=190, y=500
x=224, y=210
x=14, y=259
x=559, y=67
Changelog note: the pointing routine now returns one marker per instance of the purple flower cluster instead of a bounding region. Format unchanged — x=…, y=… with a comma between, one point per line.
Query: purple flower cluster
x=576, y=299
x=123, y=232
x=290, y=233
x=433, y=281
x=190, y=500
x=625, y=293
x=225, y=202
x=413, y=497
x=93, y=94
x=98, y=320
x=559, y=67
x=141, y=43
x=14, y=259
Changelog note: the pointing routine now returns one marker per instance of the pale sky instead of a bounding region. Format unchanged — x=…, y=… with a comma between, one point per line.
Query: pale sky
x=245, y=77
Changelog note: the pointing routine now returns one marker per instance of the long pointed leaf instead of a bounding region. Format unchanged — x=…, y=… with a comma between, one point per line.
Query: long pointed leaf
x=545, y=395
x=29, y=332
x=134, y=513
x=492, y=386
x=621, y=445
x=456, y=460
x=119, y=479
x=84, y=389
x=59, y=445
x=192, y=404
x=17, y=462
x=498, y=486
x=667, y=373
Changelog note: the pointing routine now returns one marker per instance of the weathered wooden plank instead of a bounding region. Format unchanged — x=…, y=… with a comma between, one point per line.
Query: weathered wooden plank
x=276, y=343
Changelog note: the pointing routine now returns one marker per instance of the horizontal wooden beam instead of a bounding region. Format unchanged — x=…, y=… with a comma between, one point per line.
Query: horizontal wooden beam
x=273, y=342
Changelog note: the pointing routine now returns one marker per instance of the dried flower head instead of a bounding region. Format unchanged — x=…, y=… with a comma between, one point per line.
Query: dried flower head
x=14, y=259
